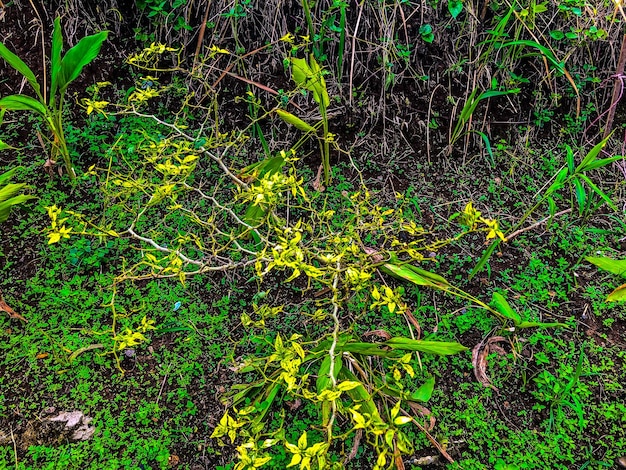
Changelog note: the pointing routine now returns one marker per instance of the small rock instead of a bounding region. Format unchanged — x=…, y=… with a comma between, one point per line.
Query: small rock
x=622, y=461
x=76, y=422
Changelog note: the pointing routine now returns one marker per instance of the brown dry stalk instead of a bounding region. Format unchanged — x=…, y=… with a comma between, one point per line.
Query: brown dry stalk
x=617, y=88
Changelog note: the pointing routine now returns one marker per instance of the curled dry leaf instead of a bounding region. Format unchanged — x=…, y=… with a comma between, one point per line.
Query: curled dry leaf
x=380, y=333
x=317, y=183
x=12, y=313
x=376, y=256
x=479, y=358
x=425, y=412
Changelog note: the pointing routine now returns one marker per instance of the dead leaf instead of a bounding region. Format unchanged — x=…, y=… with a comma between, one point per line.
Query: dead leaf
x=425, y=412
x=479, y=358
x=41, y=356
x=317, y=183
x=12, y=313
x=380, y=333
x=49, y=167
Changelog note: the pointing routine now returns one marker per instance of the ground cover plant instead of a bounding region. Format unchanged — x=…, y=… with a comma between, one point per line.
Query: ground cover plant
x=313, y=235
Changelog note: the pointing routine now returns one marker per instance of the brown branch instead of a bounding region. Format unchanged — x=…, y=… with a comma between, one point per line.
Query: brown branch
x=537, y=224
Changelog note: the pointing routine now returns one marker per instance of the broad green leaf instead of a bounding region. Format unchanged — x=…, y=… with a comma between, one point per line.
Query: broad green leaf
x=301, y=72
x=502, y=306
x=55, y=59
x=366, y=349
x=614, y=266
x=617, y=294
x=295, y=121
x=17, y=63
x=425, y=391
x=23, y=103
x=442, y=348
x=488, y=147
x=493, y=93
x=78, y=56
x=455, y=7
x=551, y=207
x=592, y=155
x=309, y=77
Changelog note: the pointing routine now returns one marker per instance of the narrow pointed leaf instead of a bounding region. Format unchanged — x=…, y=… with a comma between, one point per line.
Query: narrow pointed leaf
x=484, y=259
x=581, y=195
x=441, y=348
x=536, y=324
x=602, y=162
x=55, y=58
x=599, y=192
x=592, y=155
x=570, y=159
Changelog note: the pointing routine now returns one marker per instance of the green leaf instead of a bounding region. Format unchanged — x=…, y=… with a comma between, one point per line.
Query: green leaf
x=5, y=146
x=425, y=391
x=455, y=7
x=55, y=58
x=295, y=121
x=592, y=155
x=323, y=376
x=17, y=63
x=547, y=53
x=8, y=194
x=23, y=103
x=617, y=294
x=78, y=56
x=611, y=265
x=362, y=396
x=484, y=259
x=501, y=305
x=602, y=162
x=534, y=324
x=309, y=76
x=441, y=348
x=570, y=159
x=415, y=275
x=598, y=191
x=558, y=181
x=581, y=195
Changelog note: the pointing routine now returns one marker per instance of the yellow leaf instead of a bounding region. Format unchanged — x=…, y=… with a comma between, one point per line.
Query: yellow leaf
x=400, y=420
